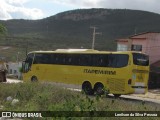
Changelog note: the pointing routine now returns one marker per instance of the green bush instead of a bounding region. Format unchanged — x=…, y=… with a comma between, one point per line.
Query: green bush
x=48, y=97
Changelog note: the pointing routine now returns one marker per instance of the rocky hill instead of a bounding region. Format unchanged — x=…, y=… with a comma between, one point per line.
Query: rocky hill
x=71, y=29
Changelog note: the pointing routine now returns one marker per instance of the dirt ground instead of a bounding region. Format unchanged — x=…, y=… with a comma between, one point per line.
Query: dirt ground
x=153, y=94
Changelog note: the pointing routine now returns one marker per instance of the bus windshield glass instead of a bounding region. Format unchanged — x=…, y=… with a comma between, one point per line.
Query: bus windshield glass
x=140, y=59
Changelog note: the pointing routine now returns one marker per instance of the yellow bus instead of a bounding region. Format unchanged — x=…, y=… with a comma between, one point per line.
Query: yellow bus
x=124, y=72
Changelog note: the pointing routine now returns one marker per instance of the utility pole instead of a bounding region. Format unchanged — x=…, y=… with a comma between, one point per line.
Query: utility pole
x=94, y=36
x=18, y=53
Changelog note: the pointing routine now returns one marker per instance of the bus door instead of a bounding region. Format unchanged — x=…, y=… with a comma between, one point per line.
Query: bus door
x=27, y=66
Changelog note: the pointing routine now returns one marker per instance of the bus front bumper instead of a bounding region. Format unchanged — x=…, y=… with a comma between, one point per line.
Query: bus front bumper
x=139, y=89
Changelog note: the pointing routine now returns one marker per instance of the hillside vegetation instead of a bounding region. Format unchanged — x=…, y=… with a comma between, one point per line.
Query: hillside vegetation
x=71, y=29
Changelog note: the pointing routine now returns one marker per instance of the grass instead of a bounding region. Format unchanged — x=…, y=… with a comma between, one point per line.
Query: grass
x=47, y=97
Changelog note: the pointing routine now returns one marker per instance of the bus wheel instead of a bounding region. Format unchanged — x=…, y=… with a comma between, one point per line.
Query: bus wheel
x=34, y=79
x=87, y=88
x=117, y=95
x=99, y=89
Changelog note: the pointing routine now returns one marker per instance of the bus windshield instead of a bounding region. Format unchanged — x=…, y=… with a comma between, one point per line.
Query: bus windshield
x=140, y=59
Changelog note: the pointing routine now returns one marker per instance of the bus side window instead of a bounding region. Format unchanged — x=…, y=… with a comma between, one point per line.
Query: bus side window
x=52, y=59
x=103, y=61
x=118, y=60
x=76, y=59
x=114, y=61
x=60, y=59
x=70, y=60
x=110, y=60
x=44, y=59
x=85, y=60
x=94, y=60
x=56, y=59
x=80, y=59
x=67, y=59
x=38, y=58
x=99, y=60
x=122, y=60
x=47, y=58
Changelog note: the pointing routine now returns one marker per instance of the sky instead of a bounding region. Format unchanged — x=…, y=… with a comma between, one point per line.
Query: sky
x=38, y=9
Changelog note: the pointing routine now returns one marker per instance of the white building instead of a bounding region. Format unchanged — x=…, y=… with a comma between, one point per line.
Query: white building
x=14, y=69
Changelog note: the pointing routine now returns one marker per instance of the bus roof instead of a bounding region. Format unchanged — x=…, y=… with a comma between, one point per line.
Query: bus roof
x=76, y=50
x=68, y=51
x=84, y=51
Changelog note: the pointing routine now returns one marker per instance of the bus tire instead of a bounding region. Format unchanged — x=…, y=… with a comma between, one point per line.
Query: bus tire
x=34, y=79
x=99, y=89
x=117, y=95
x=87, y=88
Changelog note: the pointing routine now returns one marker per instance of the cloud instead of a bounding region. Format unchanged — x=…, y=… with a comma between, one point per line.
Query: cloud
x=17, y=9
x=10, y=9
x=16, y=2
x=4, y=15
x=78, y=3
x=147, y=5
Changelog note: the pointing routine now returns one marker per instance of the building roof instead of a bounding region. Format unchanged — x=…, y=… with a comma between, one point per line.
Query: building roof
x=135, y=37
x=122, y=40
x=142, y=34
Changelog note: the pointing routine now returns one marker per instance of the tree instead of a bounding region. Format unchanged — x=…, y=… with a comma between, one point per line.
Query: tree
x=3, y=30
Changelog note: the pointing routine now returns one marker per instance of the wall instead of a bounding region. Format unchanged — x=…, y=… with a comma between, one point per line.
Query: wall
x=13, y=68
x=154, y=47
x=124, y=45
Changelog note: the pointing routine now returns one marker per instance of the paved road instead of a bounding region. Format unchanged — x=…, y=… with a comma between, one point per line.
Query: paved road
x=151, y=96
x=146, y=99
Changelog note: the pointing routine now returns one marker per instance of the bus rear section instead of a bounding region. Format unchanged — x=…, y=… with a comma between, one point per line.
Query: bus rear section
x=132, y=77
x=140, y=73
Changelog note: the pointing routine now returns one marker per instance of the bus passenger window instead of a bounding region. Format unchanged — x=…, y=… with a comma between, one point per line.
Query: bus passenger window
x=85, y=60
x=68, y=59
x=122, y=60
x=114, y=61
x=118, y=60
